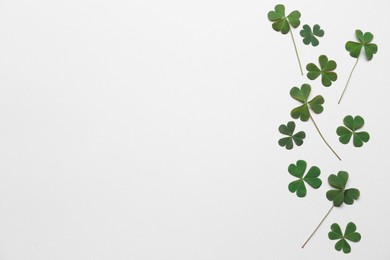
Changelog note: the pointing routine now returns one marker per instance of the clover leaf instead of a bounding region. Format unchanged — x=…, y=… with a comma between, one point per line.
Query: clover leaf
x=309, y=35
x=311, y=178
x=326, y=70
x=302, y=95
x=303, y=111
x=349, y=234
x=292, y=138
x=282, y=23
x=355, y=49
x=340, y=195
x=352, y=125
x=364, y=41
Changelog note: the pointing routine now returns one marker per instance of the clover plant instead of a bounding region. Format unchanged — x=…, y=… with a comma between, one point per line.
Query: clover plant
x=284, y=24
x=303, y=112
x=326, y=70
x=310, y=35
x=311, y=178
x=355, y=49
x=288, y=142
x=350, y=129
x=340, y=194
x=350, y=234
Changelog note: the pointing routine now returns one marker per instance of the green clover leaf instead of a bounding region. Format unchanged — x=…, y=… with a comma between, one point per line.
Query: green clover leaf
x=352, y=125
x=349, y=234
x=303, y=111
x=365, y=40
x=355, y=49
x=280, y=22
x=302, y=95
x=340, y=195
x=292, y=138
x=311, y=178
x=309, y=35
x=326, y=70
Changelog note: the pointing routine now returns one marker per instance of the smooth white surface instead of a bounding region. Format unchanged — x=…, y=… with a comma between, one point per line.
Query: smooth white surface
x=147, y=129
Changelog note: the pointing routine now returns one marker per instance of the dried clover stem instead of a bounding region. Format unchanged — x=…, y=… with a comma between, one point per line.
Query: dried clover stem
x=296, y=51
x=315, y=230
x=349, y=78
x=323, y=138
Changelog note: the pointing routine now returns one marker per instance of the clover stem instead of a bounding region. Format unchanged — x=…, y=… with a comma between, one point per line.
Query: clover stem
x=315, y=230
x=296, y=51
x=349, y=78
x=323, y=138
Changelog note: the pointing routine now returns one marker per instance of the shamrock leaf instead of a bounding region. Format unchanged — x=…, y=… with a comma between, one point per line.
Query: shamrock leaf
x=352, y=125
x=309, y=35
x=280, y=22
x=326, y=70
x=311, y=178
x=365, y=40
x=341, y=195
x=302, y=95
x=303, y=111
x=349, y=234
x=355, y=48
x=288, y=130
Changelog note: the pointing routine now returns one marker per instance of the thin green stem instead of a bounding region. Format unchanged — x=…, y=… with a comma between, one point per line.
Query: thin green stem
x=323, y=138
x=315, y=230
x=296, y=51
x=349, y=78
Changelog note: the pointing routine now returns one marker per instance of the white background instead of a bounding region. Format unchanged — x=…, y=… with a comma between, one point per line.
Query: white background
x=147, y=129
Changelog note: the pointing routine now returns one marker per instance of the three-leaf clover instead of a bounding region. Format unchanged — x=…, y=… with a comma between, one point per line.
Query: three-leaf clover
x=292, y=138
x=340, y=195
x=310, y=36
x=352, y=125
x=303, y=111
x=302, y=95
x=311, y=178
x=326, y=70
x=349, y=234
x=365, y=40
x=281, y=22
x=355, y=49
